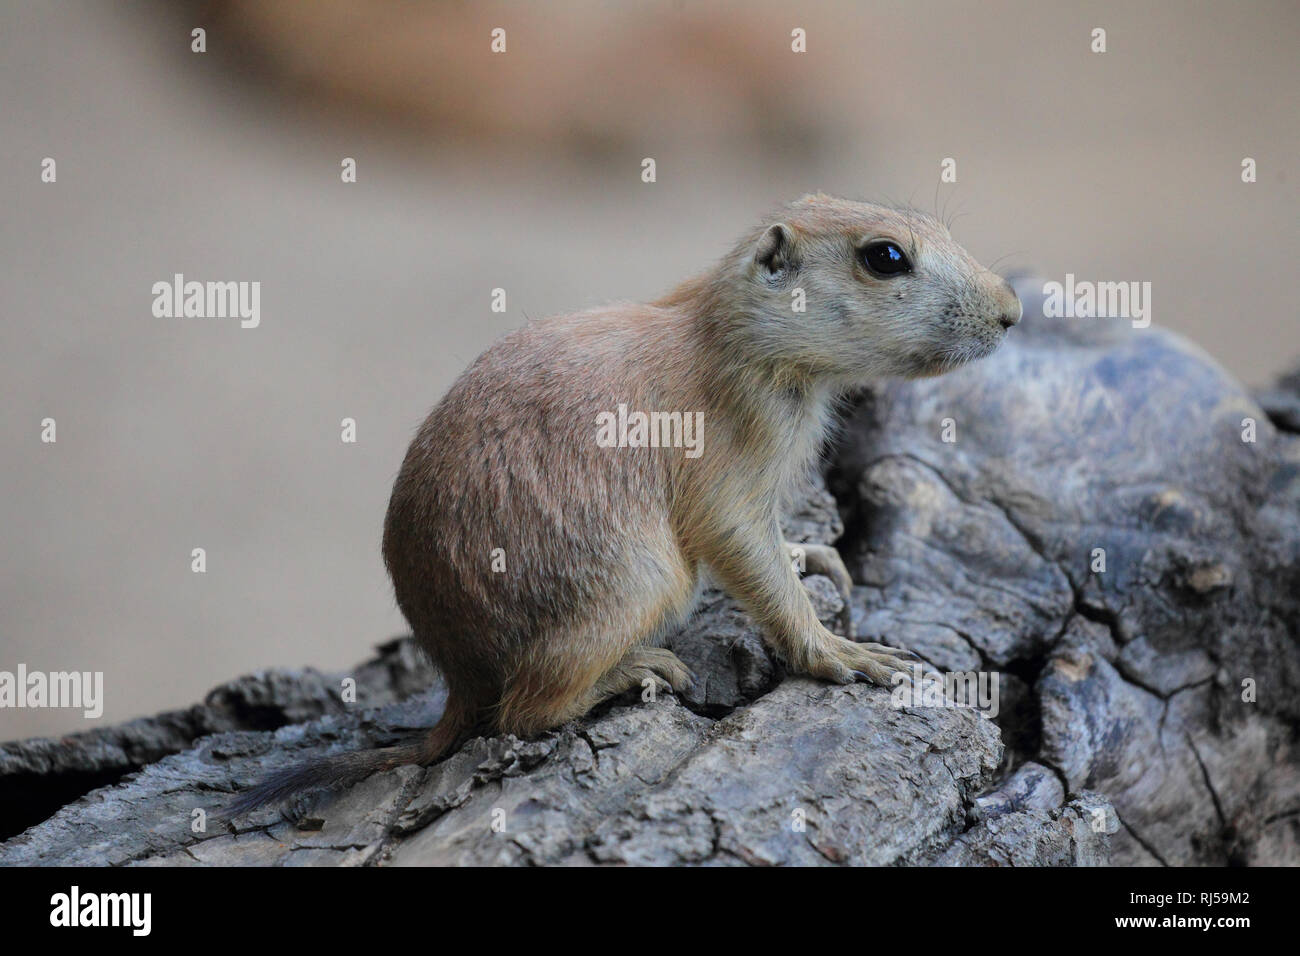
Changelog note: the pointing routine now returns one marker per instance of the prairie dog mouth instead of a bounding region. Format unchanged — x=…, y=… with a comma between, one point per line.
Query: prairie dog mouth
x=951, y=357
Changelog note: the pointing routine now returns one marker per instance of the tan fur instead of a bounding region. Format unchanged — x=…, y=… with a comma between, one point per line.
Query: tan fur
x=606, y=548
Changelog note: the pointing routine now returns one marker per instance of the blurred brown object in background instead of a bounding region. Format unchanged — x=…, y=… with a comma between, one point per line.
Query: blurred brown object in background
x=609, y=80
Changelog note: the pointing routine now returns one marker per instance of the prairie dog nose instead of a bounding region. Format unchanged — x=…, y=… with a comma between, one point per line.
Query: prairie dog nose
x=1011, y=309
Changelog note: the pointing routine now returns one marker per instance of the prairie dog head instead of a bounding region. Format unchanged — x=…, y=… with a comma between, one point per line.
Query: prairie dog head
x=884, y=292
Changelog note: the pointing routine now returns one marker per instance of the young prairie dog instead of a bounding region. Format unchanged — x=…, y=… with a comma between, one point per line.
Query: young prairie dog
x=604, y=548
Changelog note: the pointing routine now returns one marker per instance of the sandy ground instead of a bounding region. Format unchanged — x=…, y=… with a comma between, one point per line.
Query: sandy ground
x=176, y=434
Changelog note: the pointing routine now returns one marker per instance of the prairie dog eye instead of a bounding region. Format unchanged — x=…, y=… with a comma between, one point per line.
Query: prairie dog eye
x=885, y=259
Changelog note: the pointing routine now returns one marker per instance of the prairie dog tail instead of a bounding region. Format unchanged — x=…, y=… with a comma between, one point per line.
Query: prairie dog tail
x=345, y=769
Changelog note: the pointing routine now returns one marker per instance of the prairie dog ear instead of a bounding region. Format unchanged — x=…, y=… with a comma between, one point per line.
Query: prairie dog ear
x=775, y=252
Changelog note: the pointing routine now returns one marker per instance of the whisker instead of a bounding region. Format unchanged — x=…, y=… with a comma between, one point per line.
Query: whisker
x=1007, y=256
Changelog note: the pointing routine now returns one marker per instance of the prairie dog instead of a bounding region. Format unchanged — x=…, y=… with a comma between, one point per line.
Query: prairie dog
x=539, y=566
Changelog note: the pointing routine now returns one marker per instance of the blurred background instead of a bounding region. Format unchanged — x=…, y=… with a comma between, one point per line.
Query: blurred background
x=522, y=171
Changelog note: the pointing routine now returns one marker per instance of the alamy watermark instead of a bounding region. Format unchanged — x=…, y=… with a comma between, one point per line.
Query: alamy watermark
x=57, y=689
x=1098, y=300
x=73, y=909
x=624, y=429
x=179, y=299
x=974, y=689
